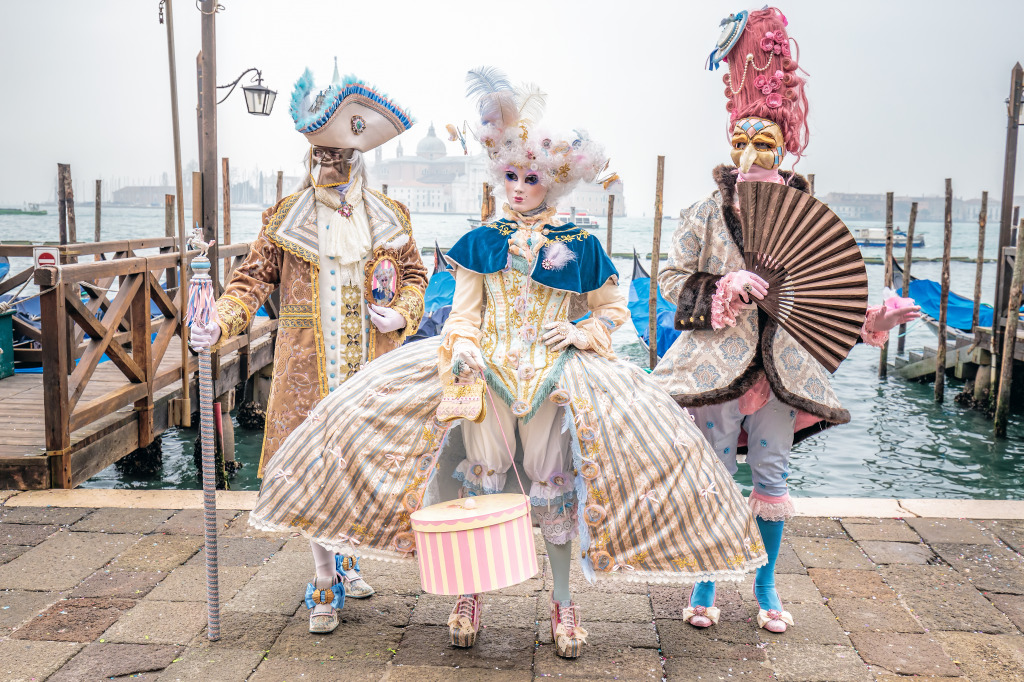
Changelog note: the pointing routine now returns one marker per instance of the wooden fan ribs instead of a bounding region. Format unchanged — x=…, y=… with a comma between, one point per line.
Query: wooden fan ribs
x=817, y=283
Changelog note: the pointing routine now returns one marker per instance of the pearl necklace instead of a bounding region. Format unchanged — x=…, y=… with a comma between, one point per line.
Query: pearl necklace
x=749, y=62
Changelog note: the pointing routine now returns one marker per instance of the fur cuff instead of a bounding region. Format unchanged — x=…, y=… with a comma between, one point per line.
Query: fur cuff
x=769, y=508
x=693, y=310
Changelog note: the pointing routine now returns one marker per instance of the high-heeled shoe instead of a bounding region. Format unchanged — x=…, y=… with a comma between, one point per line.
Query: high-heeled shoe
x=566, y=631
x=464, y=621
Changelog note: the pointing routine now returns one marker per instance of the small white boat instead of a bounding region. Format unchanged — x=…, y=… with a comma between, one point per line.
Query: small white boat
x=875, y=236
x=582, y=219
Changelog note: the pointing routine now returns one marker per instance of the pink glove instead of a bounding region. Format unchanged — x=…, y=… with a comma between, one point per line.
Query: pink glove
x=732, y=291
x=386, y=319
x=204, y=338
x=894, y=311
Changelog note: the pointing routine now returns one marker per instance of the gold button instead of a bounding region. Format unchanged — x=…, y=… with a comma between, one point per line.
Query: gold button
x=701, y=318
x=691, y=319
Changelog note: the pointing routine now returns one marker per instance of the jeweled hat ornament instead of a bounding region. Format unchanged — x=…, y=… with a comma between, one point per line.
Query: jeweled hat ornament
x=350, y=114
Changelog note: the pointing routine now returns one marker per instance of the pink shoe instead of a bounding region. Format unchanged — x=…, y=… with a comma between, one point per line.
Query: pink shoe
x=774, y=620
x=701, y=616
x=568, y=635
x=464, y=621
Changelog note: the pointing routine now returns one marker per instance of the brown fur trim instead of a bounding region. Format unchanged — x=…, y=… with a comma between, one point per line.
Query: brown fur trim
x=834, y=415
x=693, y=310
x=726, y=180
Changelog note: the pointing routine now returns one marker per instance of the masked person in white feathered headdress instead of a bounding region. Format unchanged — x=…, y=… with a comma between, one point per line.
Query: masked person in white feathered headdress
x=612, y=461
x=326, y=246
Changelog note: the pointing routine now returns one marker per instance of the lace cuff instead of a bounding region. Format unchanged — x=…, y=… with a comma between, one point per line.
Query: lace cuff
x=725, y=303
x=876, y=339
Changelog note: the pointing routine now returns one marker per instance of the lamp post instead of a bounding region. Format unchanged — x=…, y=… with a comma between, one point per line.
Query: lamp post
x=259, y=99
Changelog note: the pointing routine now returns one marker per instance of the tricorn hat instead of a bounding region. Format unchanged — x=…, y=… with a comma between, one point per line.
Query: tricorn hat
x=349, y=114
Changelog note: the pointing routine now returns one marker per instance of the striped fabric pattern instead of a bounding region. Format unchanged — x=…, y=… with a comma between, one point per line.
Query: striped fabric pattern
x=656, y=503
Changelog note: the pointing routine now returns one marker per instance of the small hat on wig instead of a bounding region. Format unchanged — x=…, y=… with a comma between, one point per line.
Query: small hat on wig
x=348, y=115
x=763, y=79
x=511, y=134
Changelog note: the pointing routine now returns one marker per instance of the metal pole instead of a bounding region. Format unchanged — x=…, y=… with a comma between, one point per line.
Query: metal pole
x=883, y=358
x=908, y=260
x=611, y=215
x=184, y=415
x=980, y=266
x=208, y=135
x=652, y=309
x=1003, y=269
x=947, y=240
x=1010, y=339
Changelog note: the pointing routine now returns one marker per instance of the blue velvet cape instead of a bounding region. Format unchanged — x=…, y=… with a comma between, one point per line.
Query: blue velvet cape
x=484, y=250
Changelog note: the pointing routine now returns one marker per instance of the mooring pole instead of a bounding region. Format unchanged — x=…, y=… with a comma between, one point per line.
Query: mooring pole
x=810, y=183
x=96, y=210
x=947, y=240
x=907, y=261
x=227, y=207
x=384, y=189
x=883, y=358
x=182, y=413
x=652, y=310
x=62, y=205
x=980, y=263
x=208, y=135
x=280, y=186
x=611, y=215
x=1003, y=269
x=1010, y=338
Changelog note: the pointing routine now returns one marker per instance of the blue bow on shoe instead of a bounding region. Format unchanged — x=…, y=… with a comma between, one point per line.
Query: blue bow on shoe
x=336, y=594
x=346, y=563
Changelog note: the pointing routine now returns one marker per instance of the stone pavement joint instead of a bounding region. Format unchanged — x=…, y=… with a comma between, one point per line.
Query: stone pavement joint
x=882, y=597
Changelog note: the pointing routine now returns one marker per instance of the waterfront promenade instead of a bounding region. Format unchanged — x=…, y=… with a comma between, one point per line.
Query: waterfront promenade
x=101, y=584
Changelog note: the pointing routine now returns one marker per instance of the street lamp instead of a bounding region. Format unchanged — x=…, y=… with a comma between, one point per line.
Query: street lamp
x=259, y=99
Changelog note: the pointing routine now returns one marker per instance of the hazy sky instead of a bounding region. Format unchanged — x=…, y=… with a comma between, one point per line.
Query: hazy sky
x=902, y=94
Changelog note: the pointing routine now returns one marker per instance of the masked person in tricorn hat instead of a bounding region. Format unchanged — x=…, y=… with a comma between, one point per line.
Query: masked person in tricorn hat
x=326, y=246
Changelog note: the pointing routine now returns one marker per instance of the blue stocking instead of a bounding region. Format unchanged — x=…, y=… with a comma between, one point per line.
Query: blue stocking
x=703, y=594
x=764, y=580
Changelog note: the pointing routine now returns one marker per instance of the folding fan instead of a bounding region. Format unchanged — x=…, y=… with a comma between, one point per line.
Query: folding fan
x=817, y=284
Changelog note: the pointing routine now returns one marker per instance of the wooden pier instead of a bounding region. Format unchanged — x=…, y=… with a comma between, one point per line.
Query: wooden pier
x=110, y=351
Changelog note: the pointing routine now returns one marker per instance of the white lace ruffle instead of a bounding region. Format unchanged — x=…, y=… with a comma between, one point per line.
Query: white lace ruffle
x=478, y=479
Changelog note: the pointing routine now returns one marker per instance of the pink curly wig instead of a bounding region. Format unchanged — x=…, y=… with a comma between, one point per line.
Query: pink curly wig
x=763, y=79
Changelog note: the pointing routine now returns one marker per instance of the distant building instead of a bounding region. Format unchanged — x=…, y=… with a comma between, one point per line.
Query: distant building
x=871, y=207
x=434, y=182
x=142, y=195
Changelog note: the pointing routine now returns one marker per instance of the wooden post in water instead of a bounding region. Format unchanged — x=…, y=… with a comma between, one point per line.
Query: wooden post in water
x=227, y=208
x=280, y=186
x=384, y=189
x=980, y=266
x=947, y=241
x=652, y=309
x=810, y=183
x=1010, y=338
x=96, y=206
x=1003, y=270
x=883, y=358
x=66, y=205
x=611, y=214
x=907, y=262
x=168, y=215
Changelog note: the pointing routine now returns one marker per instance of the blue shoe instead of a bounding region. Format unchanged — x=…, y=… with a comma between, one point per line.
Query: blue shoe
x=355, y=586
x=324, y=600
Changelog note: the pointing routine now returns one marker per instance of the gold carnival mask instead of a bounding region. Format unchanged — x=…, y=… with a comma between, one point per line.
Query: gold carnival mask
x=757, y=141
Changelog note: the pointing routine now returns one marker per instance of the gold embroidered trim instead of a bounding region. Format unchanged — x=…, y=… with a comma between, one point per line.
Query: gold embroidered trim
x=278, y=219
x=318, y=332
x=297, y=309
x=398, y=209
x=241, y=304
x=410, y=305
x=297, y=322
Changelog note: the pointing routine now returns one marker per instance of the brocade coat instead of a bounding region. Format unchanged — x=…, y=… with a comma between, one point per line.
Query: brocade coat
x=285, y=255
x=706, y=366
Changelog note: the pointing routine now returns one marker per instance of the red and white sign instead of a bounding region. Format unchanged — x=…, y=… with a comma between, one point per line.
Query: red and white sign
x=46, y=256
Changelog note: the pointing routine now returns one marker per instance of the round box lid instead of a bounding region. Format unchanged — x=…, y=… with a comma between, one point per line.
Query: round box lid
x=470, y=512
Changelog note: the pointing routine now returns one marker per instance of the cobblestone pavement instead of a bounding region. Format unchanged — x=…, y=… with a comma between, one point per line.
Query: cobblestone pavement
x=97, y=593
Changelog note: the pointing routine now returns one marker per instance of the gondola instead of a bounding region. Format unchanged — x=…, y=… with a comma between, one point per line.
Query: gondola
x=437, y=299
x=639, y=310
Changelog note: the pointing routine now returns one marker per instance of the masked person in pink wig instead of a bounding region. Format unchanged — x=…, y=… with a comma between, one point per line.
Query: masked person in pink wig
x=748, y=382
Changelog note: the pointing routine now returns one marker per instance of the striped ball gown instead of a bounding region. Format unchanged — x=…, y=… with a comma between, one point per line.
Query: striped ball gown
x=655, y=502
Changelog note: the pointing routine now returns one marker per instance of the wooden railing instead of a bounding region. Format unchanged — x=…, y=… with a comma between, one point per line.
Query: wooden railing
x=134, y=340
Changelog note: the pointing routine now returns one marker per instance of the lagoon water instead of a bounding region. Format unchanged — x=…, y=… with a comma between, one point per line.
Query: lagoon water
x=899, y=444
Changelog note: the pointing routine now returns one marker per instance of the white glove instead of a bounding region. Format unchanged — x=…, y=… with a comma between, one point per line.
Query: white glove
x=467, y=356
x=203, y=338
x=564, y=334
x=386, y=319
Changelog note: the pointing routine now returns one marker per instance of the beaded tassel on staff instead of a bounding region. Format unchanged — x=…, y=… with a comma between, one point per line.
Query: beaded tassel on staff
x=200, y=307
